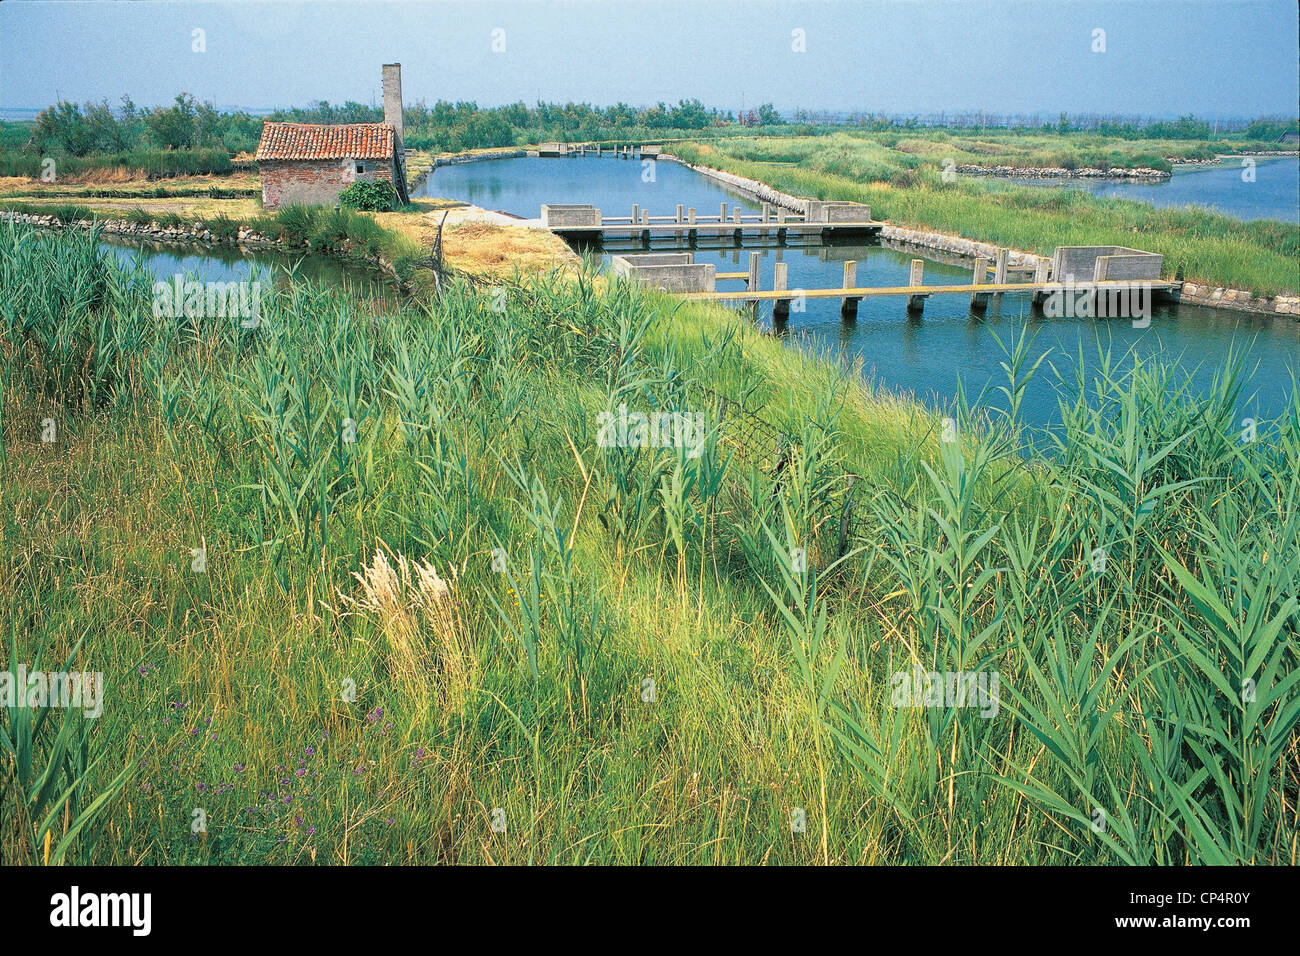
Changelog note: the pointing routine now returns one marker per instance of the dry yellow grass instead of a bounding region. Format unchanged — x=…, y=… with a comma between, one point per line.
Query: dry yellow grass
x=474, y=241
x=195, y=207
x=127, y=180
x=487, y=248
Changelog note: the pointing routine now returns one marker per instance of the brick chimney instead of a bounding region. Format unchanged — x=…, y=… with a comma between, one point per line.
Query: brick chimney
x=392, y=83
x=393, y=97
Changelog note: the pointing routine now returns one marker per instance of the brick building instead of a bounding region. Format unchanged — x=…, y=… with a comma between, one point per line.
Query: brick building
x=310, y=163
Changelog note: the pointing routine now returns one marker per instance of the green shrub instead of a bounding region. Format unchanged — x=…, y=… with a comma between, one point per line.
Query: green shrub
x=375, y=195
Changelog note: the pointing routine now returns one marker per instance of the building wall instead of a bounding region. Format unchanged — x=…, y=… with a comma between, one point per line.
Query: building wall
x=315, y=182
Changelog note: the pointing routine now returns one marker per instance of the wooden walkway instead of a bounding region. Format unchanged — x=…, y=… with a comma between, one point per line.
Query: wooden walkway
x=671, y=229
x=776, y=295
x=980, y=290
x=588, y=224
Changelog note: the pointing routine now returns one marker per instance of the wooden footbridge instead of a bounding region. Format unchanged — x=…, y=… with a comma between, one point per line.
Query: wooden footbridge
x=1105, y=295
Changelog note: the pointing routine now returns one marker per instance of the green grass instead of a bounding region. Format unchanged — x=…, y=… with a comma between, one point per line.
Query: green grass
x=343, y=233
x=907, y=190
x=152, y=163
x=155, y=192
x=524, y=689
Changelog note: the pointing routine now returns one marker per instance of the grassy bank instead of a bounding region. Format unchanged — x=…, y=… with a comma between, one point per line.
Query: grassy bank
x=1217, y=250
x=615, y=653
x=114, y=167
x=342, y=233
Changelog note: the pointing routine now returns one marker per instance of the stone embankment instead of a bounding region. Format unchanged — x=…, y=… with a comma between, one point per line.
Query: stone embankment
x=746, y=187
x=1240, y=299
x=1139, y=173
x=457, y=158
x=957, y=246
x=1221, y=159
x=421, y=173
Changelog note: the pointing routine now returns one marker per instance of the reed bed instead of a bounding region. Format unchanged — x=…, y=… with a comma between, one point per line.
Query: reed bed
x=437, y=619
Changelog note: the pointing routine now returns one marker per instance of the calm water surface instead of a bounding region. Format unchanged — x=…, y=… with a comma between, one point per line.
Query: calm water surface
x=923, y=356
x=226, y=264
x=1274, y=193
x=520, y=186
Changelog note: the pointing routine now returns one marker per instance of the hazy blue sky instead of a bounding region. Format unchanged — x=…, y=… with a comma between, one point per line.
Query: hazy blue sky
x=1230, y=58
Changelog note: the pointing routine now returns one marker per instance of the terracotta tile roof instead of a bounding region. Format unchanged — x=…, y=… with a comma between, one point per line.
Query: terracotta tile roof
x=316, y=141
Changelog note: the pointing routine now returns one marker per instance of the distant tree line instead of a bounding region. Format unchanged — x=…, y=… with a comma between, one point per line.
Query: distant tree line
x=88, y=129
x=466, y=125
x=100, y=129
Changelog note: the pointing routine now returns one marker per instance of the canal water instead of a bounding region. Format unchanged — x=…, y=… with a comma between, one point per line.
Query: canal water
x=925, y=356
x=928, y=355
x=225, y=264
x=520, y=186
x=1272, y=193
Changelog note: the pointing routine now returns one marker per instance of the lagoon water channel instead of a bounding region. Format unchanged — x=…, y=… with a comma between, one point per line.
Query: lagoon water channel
x=1244, y=188
x=925, y=356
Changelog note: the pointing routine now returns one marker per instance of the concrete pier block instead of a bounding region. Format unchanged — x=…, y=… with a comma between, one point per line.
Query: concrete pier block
x=1077, y=263
x=830, y=211
x=722, y=216
x=668, y=272
x=754, y=259
x=557, y=216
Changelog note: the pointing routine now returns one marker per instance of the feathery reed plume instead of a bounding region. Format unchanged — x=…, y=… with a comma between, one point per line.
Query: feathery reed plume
x=414, y=607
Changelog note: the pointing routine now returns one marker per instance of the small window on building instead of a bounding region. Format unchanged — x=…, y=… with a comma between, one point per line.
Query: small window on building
x=361, y=167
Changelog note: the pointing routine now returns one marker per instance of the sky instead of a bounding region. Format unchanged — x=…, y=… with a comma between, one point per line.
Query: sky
x=1214, y=58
